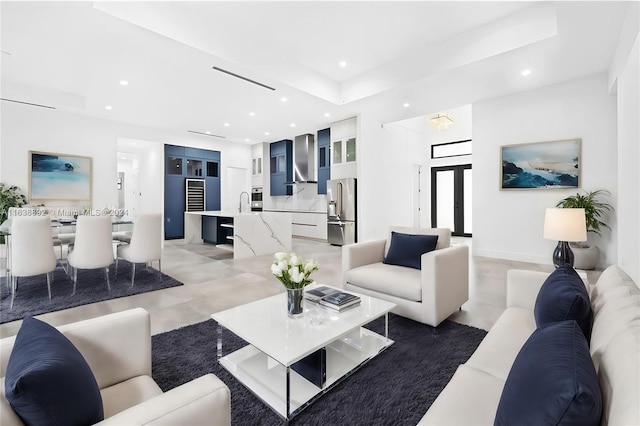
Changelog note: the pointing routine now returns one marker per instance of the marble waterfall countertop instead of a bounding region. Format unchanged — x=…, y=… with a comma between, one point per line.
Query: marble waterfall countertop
x=254, y=233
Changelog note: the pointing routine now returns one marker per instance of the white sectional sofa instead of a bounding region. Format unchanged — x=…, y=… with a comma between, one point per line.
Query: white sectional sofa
x=117, y=348
x=473, y=394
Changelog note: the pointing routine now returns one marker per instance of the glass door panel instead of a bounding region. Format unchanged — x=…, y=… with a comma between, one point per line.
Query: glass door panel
x=444, y=201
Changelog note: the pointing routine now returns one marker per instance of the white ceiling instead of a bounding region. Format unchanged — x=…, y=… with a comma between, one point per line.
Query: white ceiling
x=432, y=55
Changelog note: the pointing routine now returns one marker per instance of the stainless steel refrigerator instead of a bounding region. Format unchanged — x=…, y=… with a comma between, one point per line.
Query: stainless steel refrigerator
x=341, y=211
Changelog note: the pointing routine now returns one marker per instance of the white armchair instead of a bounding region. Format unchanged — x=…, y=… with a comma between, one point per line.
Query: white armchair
x=117, y=348
x=428, y=295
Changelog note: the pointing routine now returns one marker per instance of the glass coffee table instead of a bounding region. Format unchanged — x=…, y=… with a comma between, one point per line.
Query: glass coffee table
x=289, y=363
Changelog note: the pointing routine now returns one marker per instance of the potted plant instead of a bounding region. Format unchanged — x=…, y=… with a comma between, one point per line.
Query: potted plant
x=10, y=196
x=586, y=255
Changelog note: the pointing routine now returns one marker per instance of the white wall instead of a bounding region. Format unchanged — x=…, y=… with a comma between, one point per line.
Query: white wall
x=626, y=69
x=386, y=153
x=26, y=128
x=508, y=224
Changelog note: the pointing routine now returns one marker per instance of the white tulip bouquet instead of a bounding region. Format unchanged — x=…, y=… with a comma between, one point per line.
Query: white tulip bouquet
x=292, y=271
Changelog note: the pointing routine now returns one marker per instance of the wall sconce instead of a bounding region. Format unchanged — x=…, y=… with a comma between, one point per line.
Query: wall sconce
x=442, y=121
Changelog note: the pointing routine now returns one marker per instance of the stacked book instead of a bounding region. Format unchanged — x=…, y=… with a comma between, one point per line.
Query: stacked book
x=339, y=301
x=315, y=294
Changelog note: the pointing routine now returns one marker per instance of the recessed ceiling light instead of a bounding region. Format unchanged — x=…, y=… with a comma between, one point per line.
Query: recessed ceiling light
x=342, y=63
x=208, y=132
x=246, y=140
x=252, y=114
x=326, y=114
x=124, y=82
x=226, y=124
x=108, y=107
x=526, y=72
x=266, y=133
x=283, y=99
x=406, y=104
x=292, y=124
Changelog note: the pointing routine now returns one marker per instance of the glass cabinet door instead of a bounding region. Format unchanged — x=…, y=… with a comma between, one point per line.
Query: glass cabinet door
x=337, y=152
x=351, y=150
x=194, y=167
x=174, y=165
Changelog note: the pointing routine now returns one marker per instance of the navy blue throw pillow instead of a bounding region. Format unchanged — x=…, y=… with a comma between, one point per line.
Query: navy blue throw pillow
x=407, y=249
x=552, y=381
x=563, y=296
x=48, y=381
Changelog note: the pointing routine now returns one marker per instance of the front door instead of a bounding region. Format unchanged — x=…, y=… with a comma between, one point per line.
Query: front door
x=451, y=188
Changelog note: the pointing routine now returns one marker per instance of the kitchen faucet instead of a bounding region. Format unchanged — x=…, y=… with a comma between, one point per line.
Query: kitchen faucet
x=240, y=203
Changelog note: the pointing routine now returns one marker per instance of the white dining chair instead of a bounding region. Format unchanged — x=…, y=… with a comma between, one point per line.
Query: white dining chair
x=145, y=245
x=92, y=248
x=32, y=250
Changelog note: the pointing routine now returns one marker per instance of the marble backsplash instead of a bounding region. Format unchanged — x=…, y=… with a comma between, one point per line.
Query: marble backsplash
x=305, y=198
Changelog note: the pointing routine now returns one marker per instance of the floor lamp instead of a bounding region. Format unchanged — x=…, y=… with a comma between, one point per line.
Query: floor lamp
x=564, y=225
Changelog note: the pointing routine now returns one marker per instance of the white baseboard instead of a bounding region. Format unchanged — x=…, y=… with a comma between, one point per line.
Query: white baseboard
x=518, y=257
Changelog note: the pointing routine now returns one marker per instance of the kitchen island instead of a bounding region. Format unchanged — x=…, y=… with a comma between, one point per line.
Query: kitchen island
x=247, y=234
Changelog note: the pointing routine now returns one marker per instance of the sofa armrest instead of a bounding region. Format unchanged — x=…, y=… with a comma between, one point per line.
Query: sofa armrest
x=203, y=401
x=116, y=346
x=523, y=287
x=360, y=254
x=445, y=282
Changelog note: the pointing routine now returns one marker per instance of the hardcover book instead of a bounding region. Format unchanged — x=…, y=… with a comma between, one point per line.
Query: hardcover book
x=339, y=301
x=317, y=293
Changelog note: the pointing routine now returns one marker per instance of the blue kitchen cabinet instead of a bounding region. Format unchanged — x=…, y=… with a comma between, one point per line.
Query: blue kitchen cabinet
x=174, y=199
x=182, y=163
x=281, y=166
x=324, y=159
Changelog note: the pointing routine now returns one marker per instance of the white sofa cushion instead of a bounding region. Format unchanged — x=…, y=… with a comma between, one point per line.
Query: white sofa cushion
x=393, y=280
x=501, y=345
x=619, y=378
x=470, y=398
x=127, y=394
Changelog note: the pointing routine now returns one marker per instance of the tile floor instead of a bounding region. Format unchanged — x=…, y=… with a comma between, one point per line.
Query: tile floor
x=213, y=281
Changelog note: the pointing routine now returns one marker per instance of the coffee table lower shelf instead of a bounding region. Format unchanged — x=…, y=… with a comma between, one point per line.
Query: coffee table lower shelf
x=267, y=378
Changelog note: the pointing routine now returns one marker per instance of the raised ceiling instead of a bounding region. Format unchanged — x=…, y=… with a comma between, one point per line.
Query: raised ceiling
x=431, y=55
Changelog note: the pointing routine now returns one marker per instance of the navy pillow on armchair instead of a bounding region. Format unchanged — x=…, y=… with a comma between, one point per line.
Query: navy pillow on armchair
x=563, y=296
x=407, y=249
x=48, y=381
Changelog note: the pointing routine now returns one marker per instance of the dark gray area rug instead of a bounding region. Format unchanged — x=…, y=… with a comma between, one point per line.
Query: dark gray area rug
x=32, y=297
x=395, y=388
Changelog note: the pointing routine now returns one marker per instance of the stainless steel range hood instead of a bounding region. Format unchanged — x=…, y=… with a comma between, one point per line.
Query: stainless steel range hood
x=304, y=159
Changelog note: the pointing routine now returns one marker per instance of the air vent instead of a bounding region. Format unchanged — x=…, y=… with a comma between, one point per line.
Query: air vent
x=207, y=134
x=243, y=78
x=27, y=103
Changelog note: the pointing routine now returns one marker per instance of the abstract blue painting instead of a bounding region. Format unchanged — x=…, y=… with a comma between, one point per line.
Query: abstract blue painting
x=59, y=177
x=540, y=165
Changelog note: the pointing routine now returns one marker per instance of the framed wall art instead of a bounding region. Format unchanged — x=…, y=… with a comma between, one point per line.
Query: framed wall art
x=59, y=177
x=541, y=165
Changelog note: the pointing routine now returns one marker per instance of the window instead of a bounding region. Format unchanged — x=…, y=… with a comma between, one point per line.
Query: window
x=451, y=149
